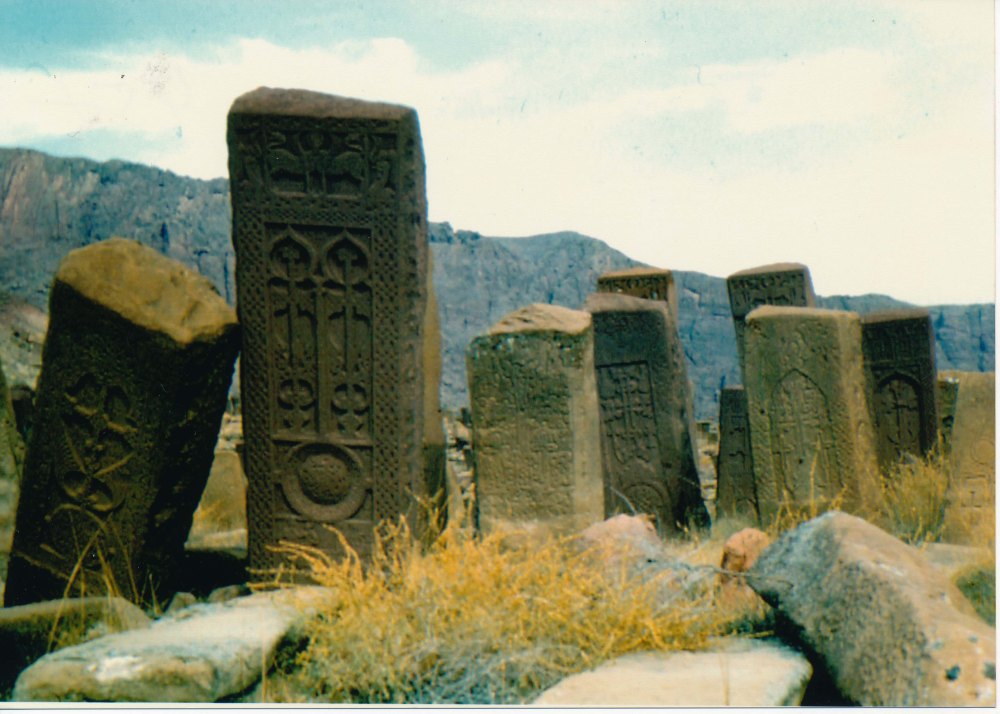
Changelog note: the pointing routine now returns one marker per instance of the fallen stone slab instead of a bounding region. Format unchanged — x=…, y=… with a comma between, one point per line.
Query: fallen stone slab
x=205, y=653
x=737, y=672
x=891, y=629
x=27, y=632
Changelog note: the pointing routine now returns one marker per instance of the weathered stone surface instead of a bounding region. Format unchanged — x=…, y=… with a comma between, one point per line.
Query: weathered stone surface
x=898, y=349
x=11, y=465
x=736, y=494
x=223, y=504
x=536, y=429
x=970, y=514
x=434, y=446
x=138, y=361
x=784, y=284
x=29, y=631
x=742, y=673
x=202, y=654
x=330, y=232
x=947, y=396
x=891, y=629
x=809, y=424
x=646, y=283
x=647, y=426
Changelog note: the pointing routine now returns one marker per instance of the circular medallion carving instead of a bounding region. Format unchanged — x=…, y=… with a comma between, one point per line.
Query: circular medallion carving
x=323, y=482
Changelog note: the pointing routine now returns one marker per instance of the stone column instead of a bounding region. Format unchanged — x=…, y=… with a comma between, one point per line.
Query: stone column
x=137, y=365
x=735, y=490
x=330, y=232
x=646, y=421
x=536, y=431
x=809, y=426
x=777, y=284
x=898, y=347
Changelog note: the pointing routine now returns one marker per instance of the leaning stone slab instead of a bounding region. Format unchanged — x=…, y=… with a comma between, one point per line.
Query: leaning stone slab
x=29, y=631
x=970, y=514
x=891, y=629
x=736, y=495
x=138, y=361
x=204, y=653
x=736, y=672
x=536, y=429
x=901, y=381
x=646, y=424
x=646, y=283
x=330, y=234
x=809, y=425
x=783, y=284
x=11, y=467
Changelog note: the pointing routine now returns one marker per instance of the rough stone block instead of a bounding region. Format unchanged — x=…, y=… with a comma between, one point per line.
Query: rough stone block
x=736, y=494
x=646, y=283
x=901, y=382
x=646, y=422
x=809, y=425
x=138, y=361
x=536, y=429
x=891, y=629
x=330, y=233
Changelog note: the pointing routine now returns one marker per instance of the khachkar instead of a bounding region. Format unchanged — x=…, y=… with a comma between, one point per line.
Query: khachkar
x=810, y=432
x=787, y=284
x=735, y=492
x=536, y=430
x=646, y=421
x=969, y=517
x=330, y=232
x=898, y=348
x=136, y=371
x=647, y=283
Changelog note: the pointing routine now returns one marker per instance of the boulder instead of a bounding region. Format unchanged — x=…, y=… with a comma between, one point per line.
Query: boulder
x=891, y=629
x=737, y=672
x=202, y=654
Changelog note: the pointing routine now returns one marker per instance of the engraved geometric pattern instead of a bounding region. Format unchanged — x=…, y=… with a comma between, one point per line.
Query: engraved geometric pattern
x=897, y=418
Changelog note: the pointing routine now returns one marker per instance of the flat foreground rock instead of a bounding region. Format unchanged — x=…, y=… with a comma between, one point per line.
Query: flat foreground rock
x=745, y=673
x=891, y=628
x=205, y=653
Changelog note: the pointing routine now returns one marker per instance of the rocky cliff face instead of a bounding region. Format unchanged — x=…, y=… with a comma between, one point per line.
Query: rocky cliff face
x=49, y=206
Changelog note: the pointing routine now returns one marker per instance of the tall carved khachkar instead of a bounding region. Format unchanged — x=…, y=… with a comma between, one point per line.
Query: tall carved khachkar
x=137, y=366
x=536, y=430
x=646, y=420
x=646, y=283
x=787, y=284
x=898, y=347
x=809, y=426
x=970, y=516
x=330, y=232
x=735, y=491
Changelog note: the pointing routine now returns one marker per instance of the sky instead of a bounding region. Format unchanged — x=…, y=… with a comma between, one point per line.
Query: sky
x=856, y=137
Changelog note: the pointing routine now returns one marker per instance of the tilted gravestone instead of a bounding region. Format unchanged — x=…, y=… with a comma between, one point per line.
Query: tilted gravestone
x=735, y=491
x=646, y=419
x=137, y=365
x=898, y=348
x=787, y=284
x=969, y=516
x=536, y=430
x=330, y=233
x=646, y=283
x=810, y=431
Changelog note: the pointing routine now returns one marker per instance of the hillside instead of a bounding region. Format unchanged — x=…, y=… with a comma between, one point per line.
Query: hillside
x=49, y=206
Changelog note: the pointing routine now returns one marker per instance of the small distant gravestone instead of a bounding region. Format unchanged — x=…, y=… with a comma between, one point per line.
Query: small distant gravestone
x=536, y=429
x=972, y=487
x=947, y=396
x=646, y=283
x=783, y=284
x=330, y=233
x=898, y=347
x=646, y=422
x=138, y=361
x=735, y=492
x=809, y=425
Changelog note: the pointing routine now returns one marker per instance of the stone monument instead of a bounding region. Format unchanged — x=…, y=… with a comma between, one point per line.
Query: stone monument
x=535, y=423
x=810, y=432
x=646, y=419
x=898, y=347
x=735, y=491
x=137, y=365
x=647, y=283
x=330, y=233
